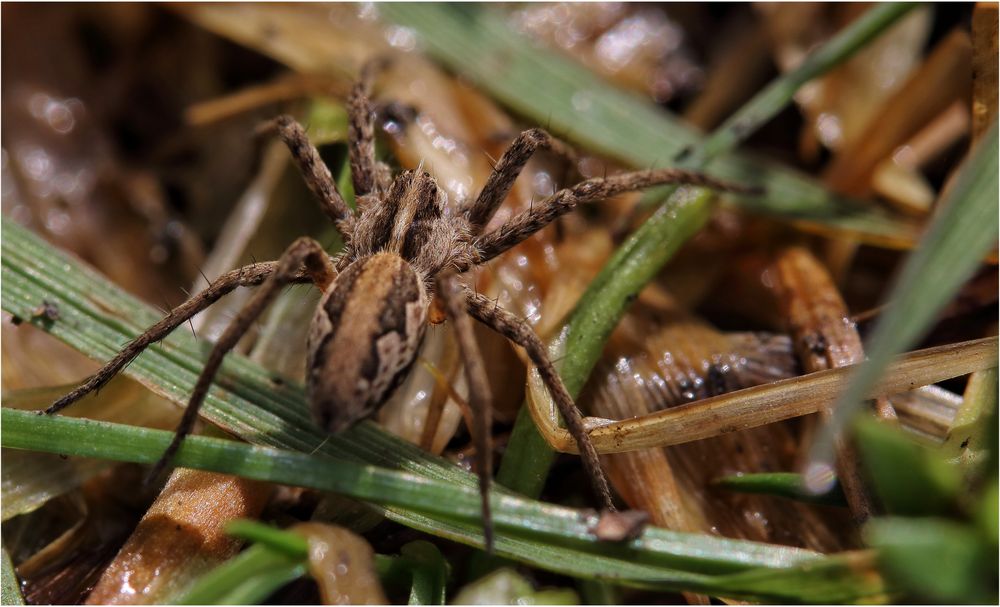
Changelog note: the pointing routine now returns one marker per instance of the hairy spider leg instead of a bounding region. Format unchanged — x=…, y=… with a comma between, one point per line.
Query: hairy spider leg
x=247, y=276
x=361, y=135
x=520, y=332
x=305, y=253
x=505, y=172
x=480, y=399
x=315, y=173
x=541, y=214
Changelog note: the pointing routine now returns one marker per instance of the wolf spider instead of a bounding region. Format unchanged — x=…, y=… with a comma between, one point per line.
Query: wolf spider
x=402, y=250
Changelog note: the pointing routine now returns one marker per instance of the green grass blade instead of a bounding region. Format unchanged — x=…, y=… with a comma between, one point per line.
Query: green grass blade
x=288, y=543
x=963, y=231
x=10, y=587
x=544, y=535
x=429, y=573
x=479, y=43
x=936, y=560
x=782, y=484
x=247, y=579
x=930, y=486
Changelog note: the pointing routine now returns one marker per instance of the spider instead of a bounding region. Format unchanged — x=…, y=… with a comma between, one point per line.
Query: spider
x=403, y=254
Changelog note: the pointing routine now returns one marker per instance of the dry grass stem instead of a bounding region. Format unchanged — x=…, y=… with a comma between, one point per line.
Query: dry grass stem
x=287, y=87
x=765, y=404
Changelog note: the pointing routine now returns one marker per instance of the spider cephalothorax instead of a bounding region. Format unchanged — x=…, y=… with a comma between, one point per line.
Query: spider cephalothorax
x=402, y=250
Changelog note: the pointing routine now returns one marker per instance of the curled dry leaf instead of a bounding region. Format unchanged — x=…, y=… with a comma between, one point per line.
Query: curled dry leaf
x=343, y=565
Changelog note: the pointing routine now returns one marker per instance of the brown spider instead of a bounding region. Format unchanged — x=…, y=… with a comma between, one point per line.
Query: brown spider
x=402, y=250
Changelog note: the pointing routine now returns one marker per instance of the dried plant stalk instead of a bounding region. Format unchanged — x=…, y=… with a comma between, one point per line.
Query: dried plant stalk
x=898, y=179
x=286, y=87
x=759, y=405
x=740, y=70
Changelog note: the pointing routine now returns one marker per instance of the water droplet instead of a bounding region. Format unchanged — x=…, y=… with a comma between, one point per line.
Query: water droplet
x=819, y=478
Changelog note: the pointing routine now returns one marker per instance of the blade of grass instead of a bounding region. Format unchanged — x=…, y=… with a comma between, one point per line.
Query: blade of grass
x=290, y=544
x=963, y=231
x=782, y=484
x=936, y=560
x=247, y=579
x=10, y=588
x=430, y=573
x=547, y=536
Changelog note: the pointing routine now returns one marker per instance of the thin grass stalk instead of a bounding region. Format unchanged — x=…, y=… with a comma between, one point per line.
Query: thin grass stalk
x=765, y=404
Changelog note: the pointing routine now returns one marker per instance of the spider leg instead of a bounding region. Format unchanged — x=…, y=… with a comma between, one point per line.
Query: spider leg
x=361, y=133
x=315, y=172
x=289, y=268
x=525, y=224
x=451, y=291
x=504, y=173
x=247, y=276
x=485, y=311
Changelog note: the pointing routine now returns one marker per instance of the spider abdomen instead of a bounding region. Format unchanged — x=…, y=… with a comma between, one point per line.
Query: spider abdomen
x=364, y=338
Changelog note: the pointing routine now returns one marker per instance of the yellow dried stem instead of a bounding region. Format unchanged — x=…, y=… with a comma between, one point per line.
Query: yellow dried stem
x=759, y=405
x=898, y=179
x=284, y=88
